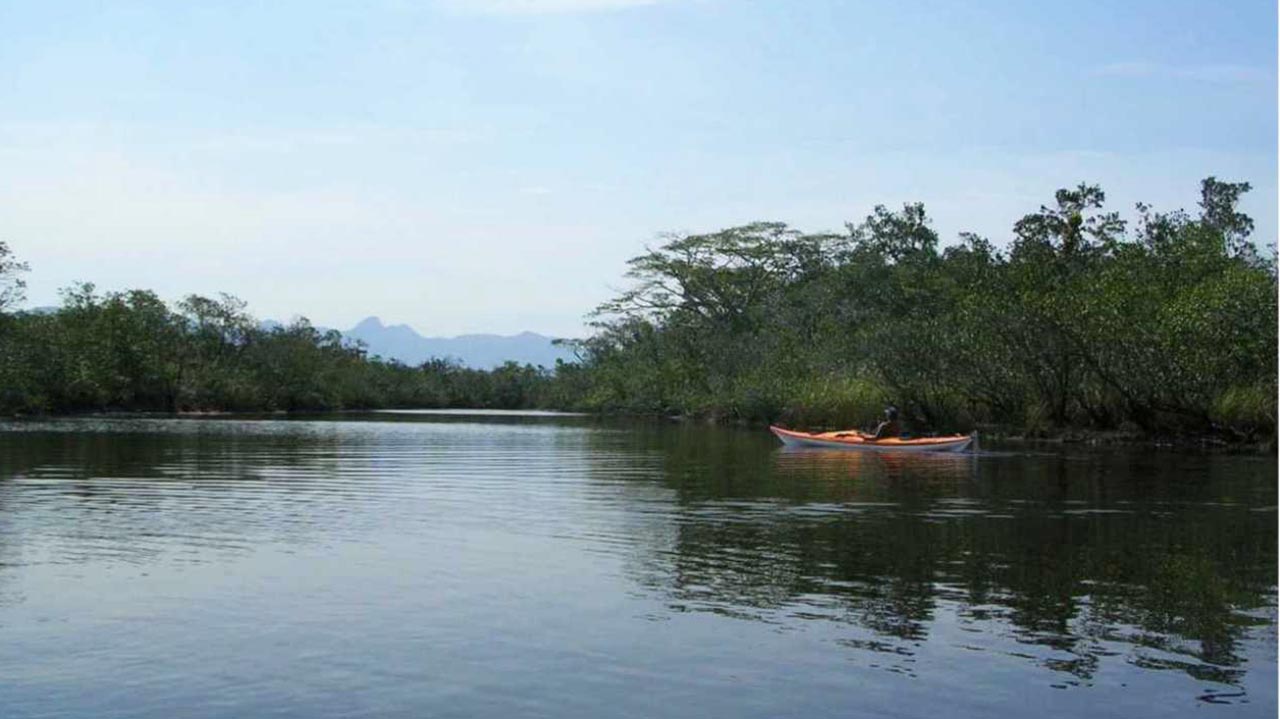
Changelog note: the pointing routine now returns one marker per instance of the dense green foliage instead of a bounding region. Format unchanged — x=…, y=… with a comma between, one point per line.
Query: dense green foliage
x=1082, y=321
x=131, y=351
x=1168, y=326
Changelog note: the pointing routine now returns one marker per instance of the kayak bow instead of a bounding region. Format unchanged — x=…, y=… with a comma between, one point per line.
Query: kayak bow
x=856, y=440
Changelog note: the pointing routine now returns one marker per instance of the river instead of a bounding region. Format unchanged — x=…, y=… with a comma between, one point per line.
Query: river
x=420, y=564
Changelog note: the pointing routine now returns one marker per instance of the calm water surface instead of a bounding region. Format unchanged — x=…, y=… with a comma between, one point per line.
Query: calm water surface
x=446, y=565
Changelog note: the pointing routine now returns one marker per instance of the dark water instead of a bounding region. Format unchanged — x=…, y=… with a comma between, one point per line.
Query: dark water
x=412, y=566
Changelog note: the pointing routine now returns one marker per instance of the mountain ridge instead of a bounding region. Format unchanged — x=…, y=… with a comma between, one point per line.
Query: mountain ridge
x=478, y=350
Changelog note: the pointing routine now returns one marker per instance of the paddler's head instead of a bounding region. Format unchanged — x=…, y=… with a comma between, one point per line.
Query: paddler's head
x=891, y=412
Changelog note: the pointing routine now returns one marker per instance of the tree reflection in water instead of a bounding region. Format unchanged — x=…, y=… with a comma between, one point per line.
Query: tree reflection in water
x=1076, y=562
x=1068, y=560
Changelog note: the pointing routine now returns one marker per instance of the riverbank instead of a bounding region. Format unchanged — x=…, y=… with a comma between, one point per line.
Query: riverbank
x=1048, y=437
x=1100, y=438
x=1057, y=336
x=1064, y=436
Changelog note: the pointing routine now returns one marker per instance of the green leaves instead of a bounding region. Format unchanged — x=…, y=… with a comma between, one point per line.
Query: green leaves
x=1080, y=323
x=131, y=351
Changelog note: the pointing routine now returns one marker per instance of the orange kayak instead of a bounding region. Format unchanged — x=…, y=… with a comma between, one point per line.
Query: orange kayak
x=853, y=439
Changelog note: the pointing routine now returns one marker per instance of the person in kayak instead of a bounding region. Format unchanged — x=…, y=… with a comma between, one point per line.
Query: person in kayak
x=890, y=427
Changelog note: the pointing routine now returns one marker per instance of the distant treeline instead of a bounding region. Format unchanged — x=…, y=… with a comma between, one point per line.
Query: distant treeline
x=1083, y=321
x=132, y=351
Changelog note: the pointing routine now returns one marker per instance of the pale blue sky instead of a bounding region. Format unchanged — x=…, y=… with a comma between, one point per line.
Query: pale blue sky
x=490, y=165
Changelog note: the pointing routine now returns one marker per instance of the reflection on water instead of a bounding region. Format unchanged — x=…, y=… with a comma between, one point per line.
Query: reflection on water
x=554, y=565
x=1024, y=554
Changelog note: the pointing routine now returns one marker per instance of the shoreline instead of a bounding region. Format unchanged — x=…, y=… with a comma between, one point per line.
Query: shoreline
x=1067, y=436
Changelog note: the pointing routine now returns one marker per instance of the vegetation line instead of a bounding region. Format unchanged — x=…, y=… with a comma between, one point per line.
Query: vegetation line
x=1084, y=322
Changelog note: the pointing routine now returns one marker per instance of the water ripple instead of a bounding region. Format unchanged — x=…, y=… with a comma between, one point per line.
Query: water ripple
x=324, y=567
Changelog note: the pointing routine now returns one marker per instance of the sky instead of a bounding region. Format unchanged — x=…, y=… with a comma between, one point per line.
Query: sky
x=490, y=165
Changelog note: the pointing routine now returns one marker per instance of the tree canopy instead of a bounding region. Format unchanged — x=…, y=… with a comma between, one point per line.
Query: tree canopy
x=1082, y=321
x=1163, y=325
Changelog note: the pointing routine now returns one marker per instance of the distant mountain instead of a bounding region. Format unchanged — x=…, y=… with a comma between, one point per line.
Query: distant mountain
x=402, y=343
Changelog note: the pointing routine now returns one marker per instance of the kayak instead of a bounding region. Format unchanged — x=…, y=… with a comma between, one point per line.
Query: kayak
x=855, y=440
